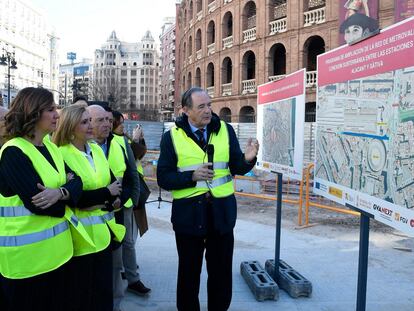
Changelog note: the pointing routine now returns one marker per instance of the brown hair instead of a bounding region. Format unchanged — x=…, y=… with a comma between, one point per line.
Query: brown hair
x=70, y=117
x=26, y=110
x=117, y=119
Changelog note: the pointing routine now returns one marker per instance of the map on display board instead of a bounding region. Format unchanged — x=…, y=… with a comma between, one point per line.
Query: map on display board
x=280, y=123
x=365, y=126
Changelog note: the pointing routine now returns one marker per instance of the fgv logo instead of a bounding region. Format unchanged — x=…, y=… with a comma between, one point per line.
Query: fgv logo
x=399, y=218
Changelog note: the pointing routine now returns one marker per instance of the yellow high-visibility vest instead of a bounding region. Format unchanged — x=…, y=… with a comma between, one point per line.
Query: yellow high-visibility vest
x=33, y=244
x=116, y=159
x=190, y=157
x=96, y=222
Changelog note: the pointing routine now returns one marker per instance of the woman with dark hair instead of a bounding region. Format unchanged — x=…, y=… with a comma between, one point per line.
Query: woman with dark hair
x=129, y=260
x=35, y=222
x=91, y=265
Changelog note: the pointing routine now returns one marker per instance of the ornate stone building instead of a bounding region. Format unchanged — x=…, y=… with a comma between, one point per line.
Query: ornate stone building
x=230, y=47
x=126, y=75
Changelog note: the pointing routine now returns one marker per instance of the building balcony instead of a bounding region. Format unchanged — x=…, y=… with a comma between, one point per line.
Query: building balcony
x=171, y=88
x=249, y=35
x=211, y=48
x=210, y=91
x=314, y=17
x=190, y=59
x=227, y=1
x=171, y=98
x=199, y=15
x=227, y=42
x=311, y=79
x=249, y=86
x=212, y=6
x=276, y=78
x=199, y=53
x=278, y=26
x=226, y=89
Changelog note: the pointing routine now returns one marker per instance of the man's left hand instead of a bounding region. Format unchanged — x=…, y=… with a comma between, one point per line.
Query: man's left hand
x=252, y=149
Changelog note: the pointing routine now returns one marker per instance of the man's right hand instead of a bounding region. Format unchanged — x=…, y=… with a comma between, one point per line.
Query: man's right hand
x=203, y=173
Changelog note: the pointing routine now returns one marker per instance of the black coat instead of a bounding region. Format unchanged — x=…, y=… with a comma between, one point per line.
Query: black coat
x=189, y=215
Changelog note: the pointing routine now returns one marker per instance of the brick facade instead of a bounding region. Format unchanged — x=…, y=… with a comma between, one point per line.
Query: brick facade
x=289, y=34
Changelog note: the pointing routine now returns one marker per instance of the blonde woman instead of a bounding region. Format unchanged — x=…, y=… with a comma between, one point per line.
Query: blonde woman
x=92, y=265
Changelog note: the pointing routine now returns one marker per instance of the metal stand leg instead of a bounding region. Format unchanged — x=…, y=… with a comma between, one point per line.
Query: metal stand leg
x=363, y=262
x=278, y=225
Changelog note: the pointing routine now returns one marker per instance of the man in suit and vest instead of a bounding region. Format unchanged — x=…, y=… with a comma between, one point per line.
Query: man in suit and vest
x=198, y=158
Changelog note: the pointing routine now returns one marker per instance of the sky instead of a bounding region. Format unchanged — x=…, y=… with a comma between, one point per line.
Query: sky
x=84, y=25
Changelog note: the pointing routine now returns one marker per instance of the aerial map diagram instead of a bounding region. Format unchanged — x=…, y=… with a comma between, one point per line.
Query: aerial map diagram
x=279, y=132
x=365, y=135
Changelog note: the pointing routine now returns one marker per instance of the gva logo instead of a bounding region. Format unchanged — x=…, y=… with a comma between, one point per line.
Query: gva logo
x=400, y=219
x=382, y=210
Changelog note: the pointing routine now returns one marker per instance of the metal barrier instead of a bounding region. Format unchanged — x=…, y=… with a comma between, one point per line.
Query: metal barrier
x=303, y=195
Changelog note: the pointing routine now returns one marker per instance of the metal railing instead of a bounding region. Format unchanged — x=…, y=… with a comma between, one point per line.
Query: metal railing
x=314, y=17
x=210, y=91
x=249, y=35
x=297, y=193
x=276, y=78
x=227, y=42
x=226, y=89
x=278, y=26
x=311, y=78
x=212, y=6
x=199, y=53
x=211, y=48
x=249, y=86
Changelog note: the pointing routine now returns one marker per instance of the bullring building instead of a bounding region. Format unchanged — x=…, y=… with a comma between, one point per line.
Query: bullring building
x=229, y=47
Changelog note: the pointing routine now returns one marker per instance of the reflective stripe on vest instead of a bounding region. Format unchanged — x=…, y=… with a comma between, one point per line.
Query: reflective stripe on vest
x=14, y=211
x=92, y=179
x=96, y=220
x=216, y=165
x=25, y=239
x=215, y=182
x=190, y=157
x=45, y=240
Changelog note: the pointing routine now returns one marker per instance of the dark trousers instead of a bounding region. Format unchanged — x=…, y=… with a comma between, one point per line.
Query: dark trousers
x=91, y=282
x=219, y=259
x=46, y=292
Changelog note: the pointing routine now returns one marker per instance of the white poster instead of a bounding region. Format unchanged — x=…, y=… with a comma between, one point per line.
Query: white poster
x=365, y=126
x=280, y=125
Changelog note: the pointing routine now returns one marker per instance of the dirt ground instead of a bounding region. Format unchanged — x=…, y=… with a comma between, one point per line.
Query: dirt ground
x=322, y=222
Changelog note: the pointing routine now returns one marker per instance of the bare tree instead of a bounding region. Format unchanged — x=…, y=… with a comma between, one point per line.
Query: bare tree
x=108, y=88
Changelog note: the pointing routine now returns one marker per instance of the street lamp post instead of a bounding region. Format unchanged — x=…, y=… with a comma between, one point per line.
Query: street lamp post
x=8, y=59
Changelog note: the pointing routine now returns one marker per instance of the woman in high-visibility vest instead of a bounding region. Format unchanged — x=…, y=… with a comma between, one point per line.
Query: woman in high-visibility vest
x=92, y=266
x=129, y=260
x=35, y=223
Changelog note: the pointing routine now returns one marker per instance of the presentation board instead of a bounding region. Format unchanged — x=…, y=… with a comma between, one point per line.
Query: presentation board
x=365, y=126
x=280, y=124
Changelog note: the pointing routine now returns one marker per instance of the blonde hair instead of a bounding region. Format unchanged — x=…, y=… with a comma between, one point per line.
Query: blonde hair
x=70, y=117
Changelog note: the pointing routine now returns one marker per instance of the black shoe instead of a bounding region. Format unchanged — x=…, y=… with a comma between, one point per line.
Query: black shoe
x=138, y=288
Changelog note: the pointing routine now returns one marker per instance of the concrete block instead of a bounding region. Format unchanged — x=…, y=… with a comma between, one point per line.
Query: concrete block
x=259, y=281
x=295, y=284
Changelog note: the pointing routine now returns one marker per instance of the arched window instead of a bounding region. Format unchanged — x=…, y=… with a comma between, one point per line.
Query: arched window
x=210, y=75
x=227, y=30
